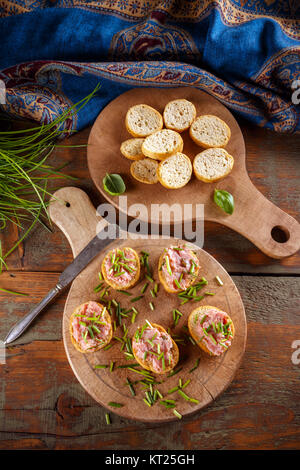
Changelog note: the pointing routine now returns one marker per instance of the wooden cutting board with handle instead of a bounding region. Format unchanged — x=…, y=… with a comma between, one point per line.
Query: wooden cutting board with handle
x=72, y=211
x=255, y=217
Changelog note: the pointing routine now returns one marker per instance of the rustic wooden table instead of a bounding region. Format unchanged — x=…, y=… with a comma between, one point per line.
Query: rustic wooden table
x=44, y=407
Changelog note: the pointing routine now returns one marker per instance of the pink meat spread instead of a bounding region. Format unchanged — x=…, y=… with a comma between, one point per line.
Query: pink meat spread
x=121, y=266
x=214, y=328
x=89, y=327
x=180, y=264
x=155, y=347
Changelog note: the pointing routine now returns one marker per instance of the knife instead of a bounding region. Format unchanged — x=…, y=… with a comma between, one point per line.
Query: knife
x=67, y=276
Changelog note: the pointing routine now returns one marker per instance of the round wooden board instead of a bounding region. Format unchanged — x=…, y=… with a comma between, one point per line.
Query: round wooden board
x=254, y=216
x=78, y=222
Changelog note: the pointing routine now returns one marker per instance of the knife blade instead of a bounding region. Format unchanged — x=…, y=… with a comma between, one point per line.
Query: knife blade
x=88, y=253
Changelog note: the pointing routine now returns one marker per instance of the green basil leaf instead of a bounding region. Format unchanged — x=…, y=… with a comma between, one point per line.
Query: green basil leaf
x=114, y=184
x=224, y=200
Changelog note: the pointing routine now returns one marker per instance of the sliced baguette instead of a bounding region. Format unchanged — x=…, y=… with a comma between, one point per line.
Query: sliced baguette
x=107, y=319
x=162, y=144
x=179, y=115
x=175, y=171
x=210, y=131
x=145, y=170
x=203, y=314
x=142, y=120
x=132, y=149
x=146, y=363
x=118, y=282
x=212, y=165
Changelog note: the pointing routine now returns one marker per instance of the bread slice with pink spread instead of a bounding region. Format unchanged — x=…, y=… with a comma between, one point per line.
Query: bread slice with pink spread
x=212, y=329
x=121, y=268
x=154, y=349
x=178, y=268
x=90, y=327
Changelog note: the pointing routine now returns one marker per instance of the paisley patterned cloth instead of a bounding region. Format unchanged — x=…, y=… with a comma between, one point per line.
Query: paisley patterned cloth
x=246, y=53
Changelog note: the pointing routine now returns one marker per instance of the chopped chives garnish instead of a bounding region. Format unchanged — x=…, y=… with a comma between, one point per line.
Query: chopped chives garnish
x=124, y=292
x=196, y=365
x=185, y=384
x=136, y=298
x=219, y=281
x=111, y=368
x=148, y=277
x=84, y=335
x=107, y=418
x=168, y=265
x=148, y=323
x=151, y=306
x=177, y=284
x=213, y=339
x=101, y=366
x=209, y=293
x=115, y=404
x=174, y=372
x=133, y=317
x=108, y=347
x=96, y=329
x=168, y=403
x=187, y=398
x=119, y=273
x=98, y=288
x=126, y=366
x=130, y=387
x=144, y=287
x=146, y=401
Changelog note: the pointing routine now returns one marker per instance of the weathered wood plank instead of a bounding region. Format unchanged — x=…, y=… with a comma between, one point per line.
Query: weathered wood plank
x=44, y=407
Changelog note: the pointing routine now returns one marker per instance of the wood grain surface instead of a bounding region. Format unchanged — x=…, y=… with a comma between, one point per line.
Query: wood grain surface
x=44, y=407
x=73, y=212
x=254, y=216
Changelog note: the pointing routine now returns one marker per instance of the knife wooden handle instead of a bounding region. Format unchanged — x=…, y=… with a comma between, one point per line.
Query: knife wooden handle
x=72, y=211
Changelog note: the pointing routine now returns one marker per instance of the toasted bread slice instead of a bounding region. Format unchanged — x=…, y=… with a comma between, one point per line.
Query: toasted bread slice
x=149, y=361
x=162, y=144
x=207, y=326
x=132, y=149
x=210, y=131
x=82, y=338
x=175, y=171
x=145, y=170
x=212, y=165
x=179, y=115
x=121, y=268
x=142, y=120
x=173, y=268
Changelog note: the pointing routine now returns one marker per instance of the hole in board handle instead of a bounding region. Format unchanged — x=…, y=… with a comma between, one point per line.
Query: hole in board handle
x=68, y=204
x=280, y=234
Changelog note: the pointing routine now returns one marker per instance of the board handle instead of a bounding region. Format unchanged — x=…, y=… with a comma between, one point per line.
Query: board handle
x=72, y=211
x=273, y=231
